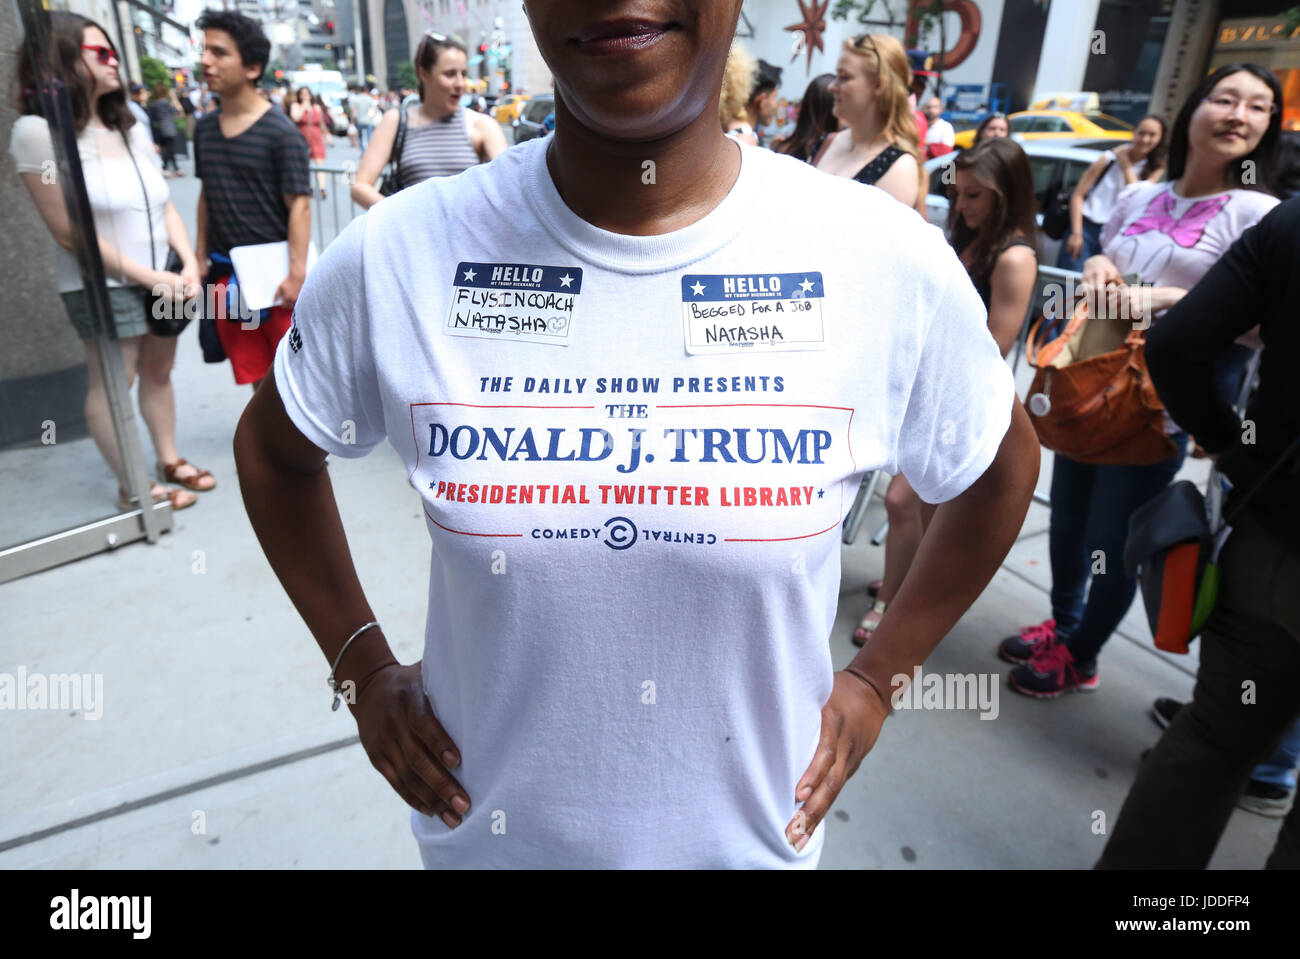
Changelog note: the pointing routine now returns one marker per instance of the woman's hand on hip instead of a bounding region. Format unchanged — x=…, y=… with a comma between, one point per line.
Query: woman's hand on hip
x=851, y=721
x=407, y=744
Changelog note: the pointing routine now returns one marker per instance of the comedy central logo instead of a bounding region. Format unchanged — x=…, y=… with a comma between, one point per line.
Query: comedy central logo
x=620, y=533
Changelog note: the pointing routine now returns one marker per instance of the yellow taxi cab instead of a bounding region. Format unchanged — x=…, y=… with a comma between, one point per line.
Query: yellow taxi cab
x=1060, y=117
x=507, y=111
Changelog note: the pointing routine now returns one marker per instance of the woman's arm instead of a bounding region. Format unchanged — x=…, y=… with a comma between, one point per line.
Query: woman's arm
x=179, y=240
x=492, y=142
x=1124, y=157
x=295, y=111
x=1011, y=288
x=965, y=543
x=901, y=181
x=291, y=507
x=1085, y=184
x=373, y=162
x=48, y=198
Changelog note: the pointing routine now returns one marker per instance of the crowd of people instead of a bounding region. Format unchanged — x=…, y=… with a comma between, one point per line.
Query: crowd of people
x=1188, y=206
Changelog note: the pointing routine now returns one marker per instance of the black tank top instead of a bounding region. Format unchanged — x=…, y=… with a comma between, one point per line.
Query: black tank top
x=983, y=283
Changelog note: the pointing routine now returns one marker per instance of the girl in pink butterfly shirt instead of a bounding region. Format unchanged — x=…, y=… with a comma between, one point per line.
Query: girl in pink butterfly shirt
x=1222, y=151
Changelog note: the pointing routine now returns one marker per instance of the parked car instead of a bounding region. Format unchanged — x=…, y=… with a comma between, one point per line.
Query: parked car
x=532, y=121
x=1056, y=165
x=1059, y=125
x=508, y=107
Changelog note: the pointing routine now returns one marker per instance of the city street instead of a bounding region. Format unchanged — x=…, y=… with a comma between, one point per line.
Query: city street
x=217, y=748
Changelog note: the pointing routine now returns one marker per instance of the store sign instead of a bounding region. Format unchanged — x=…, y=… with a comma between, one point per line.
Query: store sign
x=1253, y=32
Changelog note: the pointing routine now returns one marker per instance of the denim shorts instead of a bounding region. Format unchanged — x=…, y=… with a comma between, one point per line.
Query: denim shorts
x=125, y=302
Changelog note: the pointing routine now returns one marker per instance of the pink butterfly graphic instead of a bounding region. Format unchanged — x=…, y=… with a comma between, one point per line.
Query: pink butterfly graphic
x=1187, y=230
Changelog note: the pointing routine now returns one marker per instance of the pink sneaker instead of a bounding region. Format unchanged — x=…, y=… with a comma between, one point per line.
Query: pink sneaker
x=1020, y=649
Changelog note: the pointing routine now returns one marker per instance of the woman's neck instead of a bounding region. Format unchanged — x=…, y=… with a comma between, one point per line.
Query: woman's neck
x=643, y=188
x=1203, y=176
x=433, y=114
x=864, y=131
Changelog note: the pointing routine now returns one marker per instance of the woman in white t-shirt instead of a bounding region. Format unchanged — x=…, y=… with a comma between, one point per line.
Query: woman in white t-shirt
x=1095, y=195
x=636, y=411
x=130, y=203
x=1221, y=158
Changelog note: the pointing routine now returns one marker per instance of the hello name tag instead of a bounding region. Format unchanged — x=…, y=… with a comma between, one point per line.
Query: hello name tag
x=758, y=313
x=515, y=302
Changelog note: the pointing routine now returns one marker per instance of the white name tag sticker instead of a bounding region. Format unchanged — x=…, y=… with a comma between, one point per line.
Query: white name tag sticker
x=758, y=313
x=514, y=302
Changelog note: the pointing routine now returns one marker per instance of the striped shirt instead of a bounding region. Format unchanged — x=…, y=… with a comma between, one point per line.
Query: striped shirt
x=441, y=148
x=246, y=177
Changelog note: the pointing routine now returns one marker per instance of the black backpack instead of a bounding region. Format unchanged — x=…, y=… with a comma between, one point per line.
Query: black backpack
x=1056, y=218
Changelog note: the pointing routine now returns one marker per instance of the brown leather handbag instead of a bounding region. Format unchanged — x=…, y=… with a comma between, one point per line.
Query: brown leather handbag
x=1092, y=398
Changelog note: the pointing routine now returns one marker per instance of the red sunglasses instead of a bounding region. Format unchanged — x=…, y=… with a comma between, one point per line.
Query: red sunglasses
x=106, y=54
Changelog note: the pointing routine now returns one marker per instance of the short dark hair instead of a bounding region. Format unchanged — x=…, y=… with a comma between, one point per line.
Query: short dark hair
x=254, y=48
x=768, y=79
x=1262, y=159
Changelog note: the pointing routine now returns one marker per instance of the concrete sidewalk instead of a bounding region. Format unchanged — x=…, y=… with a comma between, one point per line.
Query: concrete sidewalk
x=217, y=747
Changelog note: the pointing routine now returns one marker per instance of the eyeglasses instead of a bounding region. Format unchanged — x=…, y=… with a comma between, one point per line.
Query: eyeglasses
x=106, y=55
x=1223, y=103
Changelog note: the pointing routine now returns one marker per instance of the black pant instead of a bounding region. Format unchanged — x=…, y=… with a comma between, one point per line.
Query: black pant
x=1247, y=697
x=167, y=146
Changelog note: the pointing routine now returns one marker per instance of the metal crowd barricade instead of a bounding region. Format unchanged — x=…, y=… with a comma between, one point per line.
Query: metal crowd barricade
x=331, y=213
x=1051, y=282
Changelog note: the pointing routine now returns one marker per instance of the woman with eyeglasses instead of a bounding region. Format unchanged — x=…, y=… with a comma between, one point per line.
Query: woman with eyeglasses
x=131, y=205
x=1222, y=152
x=880, y=143
x=440, y=138
x=636, y=411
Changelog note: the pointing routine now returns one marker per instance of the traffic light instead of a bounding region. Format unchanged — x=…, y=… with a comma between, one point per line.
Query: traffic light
x=329, y=27
x=279, y=74
x=482, y=48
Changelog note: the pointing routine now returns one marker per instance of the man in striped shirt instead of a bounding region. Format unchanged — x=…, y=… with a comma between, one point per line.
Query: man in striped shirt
x=256, y=186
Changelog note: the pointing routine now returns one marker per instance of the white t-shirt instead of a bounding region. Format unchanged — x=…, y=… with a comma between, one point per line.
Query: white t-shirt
x=941, y=131
x=1099, y=204
x=117, y=200
x=1171, y=240
x=635, y=548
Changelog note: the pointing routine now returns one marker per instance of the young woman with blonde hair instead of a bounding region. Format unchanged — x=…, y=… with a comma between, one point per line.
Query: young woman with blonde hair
x=880, y=144
x=737, y=82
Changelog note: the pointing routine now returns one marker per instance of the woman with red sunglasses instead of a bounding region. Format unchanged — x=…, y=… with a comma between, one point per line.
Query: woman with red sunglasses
x=132, y=209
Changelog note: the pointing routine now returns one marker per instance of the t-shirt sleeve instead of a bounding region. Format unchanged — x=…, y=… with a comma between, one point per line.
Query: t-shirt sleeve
x=30, y=145
x=324, y=366
x=295, y=161
x=959, y=407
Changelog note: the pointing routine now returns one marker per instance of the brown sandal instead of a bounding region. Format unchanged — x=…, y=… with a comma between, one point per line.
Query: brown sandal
x=167, y=474
x=158, y=493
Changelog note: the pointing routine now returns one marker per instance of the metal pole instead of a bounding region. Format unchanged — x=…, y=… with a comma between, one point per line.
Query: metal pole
x=57, y=108
x=361, y=52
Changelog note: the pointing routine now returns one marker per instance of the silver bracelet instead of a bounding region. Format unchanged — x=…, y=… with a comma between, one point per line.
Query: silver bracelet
x=333, y=683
